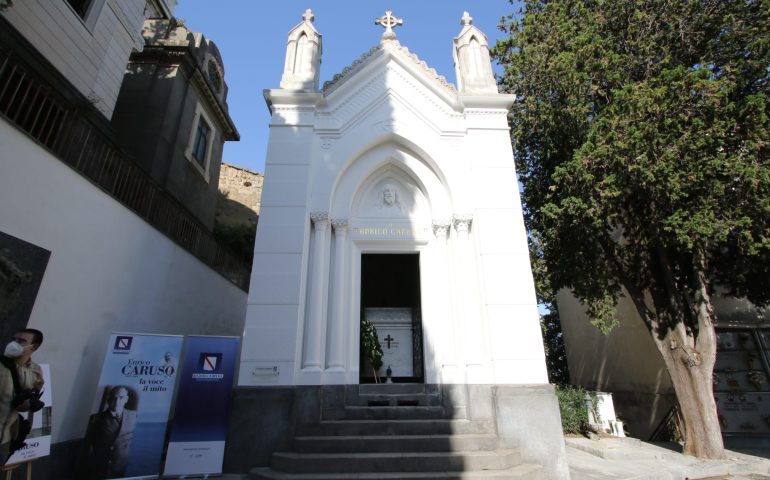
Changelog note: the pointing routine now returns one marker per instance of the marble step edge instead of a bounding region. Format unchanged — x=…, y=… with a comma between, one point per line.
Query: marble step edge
x=394, y=437
x=396, y=443
x=524, y=471
x=292, y=462
x=434, y=426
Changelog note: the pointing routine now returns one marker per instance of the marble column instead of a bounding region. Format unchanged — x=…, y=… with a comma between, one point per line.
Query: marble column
x=448, y=349
x=472, y=328
x=315, y=327
x=336, y=353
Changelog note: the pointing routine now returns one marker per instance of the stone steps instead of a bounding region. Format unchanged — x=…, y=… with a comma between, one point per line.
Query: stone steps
x=394, y=395
x=407, y=434
x=397, y=427
x=391, y=413
x=395, y=443
x=397, y=389
x=519, y=472
x=398, y=400
x=292, y=462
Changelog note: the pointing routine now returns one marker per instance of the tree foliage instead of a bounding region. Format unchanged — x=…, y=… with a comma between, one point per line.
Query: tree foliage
x=239, y=239
x=642, y=134
x=550, y=323
x=555, y=353
x=573, y=410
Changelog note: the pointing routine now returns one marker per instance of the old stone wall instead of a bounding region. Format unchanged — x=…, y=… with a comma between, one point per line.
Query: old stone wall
x=240, y=193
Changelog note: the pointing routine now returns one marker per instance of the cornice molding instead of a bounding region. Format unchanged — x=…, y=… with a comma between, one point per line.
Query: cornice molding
x=498, y=101
x=306, y=100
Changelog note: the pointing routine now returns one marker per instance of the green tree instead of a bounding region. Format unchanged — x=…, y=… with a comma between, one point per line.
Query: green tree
x=550, y=324
x=642, y=137
x=555, y=353
x=239, y=238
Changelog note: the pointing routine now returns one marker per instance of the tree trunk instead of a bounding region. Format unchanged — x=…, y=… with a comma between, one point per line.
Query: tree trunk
x=682, y=327
x=691, y=374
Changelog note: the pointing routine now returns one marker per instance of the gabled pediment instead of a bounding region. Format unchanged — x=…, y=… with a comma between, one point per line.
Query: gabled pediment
x=394, y=49
x=388, y=77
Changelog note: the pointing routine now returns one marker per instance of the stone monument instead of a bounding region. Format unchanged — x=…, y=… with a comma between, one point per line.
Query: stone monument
x=392, y=193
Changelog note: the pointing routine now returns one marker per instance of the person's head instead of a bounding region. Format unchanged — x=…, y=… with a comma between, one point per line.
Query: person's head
x=168, y=356
x=23, y=344
x=117, y=399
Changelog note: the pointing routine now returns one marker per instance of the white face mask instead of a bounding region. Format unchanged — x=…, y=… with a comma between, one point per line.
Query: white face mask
x=13, y=350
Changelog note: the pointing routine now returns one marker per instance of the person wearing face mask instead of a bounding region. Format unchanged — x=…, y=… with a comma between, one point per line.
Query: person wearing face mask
x=18, y=356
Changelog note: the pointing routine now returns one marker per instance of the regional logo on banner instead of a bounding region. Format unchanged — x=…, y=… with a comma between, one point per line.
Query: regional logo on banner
x=125, y=432
x=209, y=367
x=197, y=443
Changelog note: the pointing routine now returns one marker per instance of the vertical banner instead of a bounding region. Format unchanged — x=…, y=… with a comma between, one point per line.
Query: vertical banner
x=130, y=412
x=38, y=442
x=199, y=427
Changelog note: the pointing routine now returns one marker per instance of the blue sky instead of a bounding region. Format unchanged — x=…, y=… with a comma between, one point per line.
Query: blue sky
x=251, y=35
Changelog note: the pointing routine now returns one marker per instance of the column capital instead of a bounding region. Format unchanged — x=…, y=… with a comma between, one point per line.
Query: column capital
x=441, y=228
x=320, y=220
x=462, y=222
x=340, y=225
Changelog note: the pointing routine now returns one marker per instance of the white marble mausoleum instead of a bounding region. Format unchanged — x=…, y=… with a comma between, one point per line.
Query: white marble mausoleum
x=390, y=196
x=390, y=188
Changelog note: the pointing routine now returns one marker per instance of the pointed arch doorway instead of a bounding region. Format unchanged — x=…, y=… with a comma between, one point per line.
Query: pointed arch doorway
x=391, y=301
x=390, y=197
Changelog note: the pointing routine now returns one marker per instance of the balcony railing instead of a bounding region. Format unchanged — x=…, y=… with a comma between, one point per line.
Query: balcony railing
x=61, y=120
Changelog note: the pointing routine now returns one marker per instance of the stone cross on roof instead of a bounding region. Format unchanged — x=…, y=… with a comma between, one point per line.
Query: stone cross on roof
x=308, y=16
x=388, y=21
x=467, y=19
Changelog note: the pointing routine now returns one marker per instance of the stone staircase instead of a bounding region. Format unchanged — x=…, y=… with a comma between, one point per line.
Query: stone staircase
x=395, y=431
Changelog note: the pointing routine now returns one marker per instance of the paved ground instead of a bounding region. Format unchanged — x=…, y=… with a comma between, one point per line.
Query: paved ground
x=738, y=477
x=612, y=458
x=631, y=459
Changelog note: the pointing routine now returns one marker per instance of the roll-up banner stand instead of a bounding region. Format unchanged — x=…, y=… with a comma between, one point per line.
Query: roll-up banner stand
x=38, y=441
x=199, y=426
x=127, y=427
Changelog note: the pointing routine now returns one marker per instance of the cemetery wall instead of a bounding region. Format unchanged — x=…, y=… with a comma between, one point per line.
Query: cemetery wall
x=109, y=271
x=627, y=363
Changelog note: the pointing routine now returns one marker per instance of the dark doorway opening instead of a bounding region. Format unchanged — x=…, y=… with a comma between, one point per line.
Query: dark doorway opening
x=391, y=282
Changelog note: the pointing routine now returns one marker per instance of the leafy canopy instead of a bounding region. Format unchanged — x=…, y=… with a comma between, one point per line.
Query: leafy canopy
x=642, y=134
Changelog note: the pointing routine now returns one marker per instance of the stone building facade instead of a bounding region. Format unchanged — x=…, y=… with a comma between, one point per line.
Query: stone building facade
x=172, y=113
x=240, y=194
x=109, y=249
